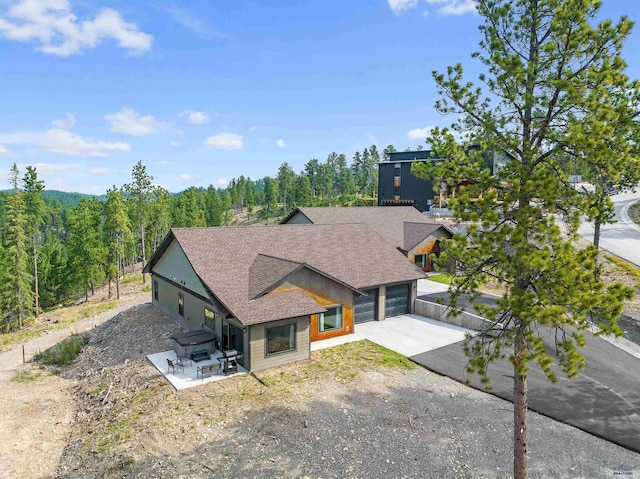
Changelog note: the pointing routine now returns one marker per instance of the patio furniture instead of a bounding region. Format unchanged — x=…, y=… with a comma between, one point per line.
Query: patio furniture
x=200, y=355
x=184, y=361
x=208, y=369
x=185, y=344
x=173, y=365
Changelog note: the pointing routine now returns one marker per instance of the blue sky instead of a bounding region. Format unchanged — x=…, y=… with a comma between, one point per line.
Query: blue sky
x=204, y=91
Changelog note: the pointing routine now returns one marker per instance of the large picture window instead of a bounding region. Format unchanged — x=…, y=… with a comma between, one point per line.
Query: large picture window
x=330, y=320
x=210, y=318
x=420, y=260
x=181, y=304
x=281, y=339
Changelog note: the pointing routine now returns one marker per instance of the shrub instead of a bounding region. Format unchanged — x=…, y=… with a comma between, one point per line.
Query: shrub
x=63, y=353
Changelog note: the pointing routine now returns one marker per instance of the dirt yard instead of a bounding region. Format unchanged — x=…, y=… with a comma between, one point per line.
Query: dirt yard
x=353, y=411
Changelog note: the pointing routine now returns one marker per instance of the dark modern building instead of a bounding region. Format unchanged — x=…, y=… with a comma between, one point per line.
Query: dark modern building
x=397, y=186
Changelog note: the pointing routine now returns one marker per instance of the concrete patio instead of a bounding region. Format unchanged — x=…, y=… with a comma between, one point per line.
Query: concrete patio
x=180, y=379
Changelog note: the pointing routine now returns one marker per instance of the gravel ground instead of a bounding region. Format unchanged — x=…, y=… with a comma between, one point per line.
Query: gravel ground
x=310, y=421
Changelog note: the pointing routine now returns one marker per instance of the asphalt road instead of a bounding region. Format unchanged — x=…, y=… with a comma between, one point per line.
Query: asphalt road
x=623, y=237
x=603, y=400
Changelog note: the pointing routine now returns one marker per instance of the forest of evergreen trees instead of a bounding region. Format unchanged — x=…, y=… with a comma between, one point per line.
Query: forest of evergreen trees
x=57, y=246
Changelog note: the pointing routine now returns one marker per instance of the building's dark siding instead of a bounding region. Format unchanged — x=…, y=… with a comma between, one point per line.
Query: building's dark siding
x=412, y=190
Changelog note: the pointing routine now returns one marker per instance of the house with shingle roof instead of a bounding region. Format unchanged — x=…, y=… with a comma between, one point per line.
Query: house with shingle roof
x=269, y=291
x=415, y=235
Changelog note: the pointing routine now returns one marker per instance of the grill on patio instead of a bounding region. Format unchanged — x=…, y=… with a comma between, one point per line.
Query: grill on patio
x=230, y=361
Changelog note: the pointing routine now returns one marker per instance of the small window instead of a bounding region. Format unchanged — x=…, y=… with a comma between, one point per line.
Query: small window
x=181, y=304
x=210, y=318
x=396, y=181
x=280, y=339
x=420, y=260
x=330, y=320
x=155, y=290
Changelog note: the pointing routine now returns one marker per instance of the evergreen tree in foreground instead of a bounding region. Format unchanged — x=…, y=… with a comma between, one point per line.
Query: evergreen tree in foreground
x=16, y=295
x=544, y=59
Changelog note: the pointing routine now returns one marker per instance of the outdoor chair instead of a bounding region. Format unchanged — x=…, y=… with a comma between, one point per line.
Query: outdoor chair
x=173, y=365
x=184, y=361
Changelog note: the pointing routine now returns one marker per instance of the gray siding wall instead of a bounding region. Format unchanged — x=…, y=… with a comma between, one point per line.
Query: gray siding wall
x=257, y=344
x=173, y=264
x=193, y=307
x=299, y=219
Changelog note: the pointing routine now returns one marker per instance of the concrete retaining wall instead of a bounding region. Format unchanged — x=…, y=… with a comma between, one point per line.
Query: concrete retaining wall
x=441, y=313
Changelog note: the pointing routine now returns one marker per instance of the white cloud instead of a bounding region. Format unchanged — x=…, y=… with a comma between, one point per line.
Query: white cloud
x=63, y=142
x=48, y=171
x=280, y=143
x=192, y=21
x=443, y=7
x=99, y=171
x=222, y=182
x=196, y=117
x=65, y=123
x=184, y=177
x=419, y=133
x=3, y=151
x=399, y=6
x=129, y=122
x=174, y=143
x=60, y=32
x=453, y=7
x=225, y=141
x=253, y=128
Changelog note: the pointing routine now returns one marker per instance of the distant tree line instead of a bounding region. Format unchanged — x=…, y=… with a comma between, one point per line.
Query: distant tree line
x=55, y=246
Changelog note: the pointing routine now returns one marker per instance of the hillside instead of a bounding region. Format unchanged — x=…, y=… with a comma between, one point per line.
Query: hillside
x=111, y=414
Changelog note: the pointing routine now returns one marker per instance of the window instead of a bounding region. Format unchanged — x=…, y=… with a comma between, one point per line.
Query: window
x=330, y=320
x=209, y=318
x=155, y=290
x=396, y=181
x=181, y=304
x=281, y=339
x=420, y=260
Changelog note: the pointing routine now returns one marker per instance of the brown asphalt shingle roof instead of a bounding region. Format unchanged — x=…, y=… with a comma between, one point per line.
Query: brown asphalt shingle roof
x=265, y=271
x=224, y=259
x=387, y=220
x=415, y=233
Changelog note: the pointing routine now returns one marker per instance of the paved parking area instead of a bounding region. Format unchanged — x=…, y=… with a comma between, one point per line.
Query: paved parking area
x=411, y=334
x=603, y=400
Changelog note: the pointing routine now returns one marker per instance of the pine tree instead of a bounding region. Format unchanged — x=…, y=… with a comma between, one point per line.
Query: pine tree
x=34, y=213
x=270, y=195
x=116, y=228
x=357, y=167
x=545, y=62
x=387, y=150
x=303, y=190
x=86, y=248
x=286, y=182
x=140, y=190
x=16, y=295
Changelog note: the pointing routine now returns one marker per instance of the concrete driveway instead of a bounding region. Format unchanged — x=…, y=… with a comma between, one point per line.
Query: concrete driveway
x=411, y=334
